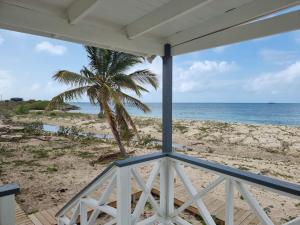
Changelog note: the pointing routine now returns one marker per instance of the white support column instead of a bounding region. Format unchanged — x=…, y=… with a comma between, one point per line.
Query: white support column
x=229, y=202
x=166, y=187
x=124, y=196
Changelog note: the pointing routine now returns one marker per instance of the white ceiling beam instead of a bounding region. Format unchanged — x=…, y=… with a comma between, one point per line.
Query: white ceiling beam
x=242, y=14
x=30, y=21
x=162, y=15
x=80, y=8
x=258, y=29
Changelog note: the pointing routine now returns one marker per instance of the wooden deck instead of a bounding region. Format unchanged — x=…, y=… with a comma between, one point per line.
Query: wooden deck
x=215, y=206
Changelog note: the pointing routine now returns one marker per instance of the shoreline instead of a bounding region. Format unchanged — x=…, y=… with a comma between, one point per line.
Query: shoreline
x=196, y=120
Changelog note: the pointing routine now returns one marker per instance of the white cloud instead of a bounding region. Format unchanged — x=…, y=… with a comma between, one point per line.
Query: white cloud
x=48, y=47
x=275, y=83
x=200, y=75
x=278, y=57
x=1, y=39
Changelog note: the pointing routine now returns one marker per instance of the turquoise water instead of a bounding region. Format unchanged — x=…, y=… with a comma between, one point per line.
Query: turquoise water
x=253, y=113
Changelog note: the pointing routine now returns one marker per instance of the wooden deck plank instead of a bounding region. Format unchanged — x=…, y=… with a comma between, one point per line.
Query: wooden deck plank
x=42, y=219
x=35, y=220
x=21, y=217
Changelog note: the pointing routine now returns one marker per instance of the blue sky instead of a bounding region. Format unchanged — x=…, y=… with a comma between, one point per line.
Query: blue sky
x=262, y=70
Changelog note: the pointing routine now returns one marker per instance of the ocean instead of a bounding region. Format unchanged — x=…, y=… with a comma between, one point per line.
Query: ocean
x=250, y=113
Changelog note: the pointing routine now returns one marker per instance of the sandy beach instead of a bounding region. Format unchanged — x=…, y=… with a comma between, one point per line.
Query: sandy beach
x=51, y=168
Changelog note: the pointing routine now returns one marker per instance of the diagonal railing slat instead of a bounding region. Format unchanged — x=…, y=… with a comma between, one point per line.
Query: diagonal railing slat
x=143, y=199
x=192, y=191
x=256, y=208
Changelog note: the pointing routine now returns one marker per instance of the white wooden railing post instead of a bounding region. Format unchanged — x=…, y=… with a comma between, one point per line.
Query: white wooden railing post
x=124, y=195
x=8, y=204
x=83, y=213
x=166, y=187
x=229, y=202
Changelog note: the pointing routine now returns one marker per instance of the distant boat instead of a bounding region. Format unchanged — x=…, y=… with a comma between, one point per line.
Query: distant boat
x=271, y=103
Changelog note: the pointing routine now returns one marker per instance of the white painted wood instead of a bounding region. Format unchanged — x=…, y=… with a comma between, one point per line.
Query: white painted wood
x=83, y=212
x=124, y=196
x=293, y=222
x=108, y=210
x=143, y=198
x=104, y=208
x=178, y=220
x=162, y=15
x=229, y=208
x=146, y=190
x=201, y=194
x=75, y=215
x=258, y=29
x=253, y=203
x=192, y=191
x=64, y=221
x=30, y=21
x=166, y=187
x=79, y=9
x=244, y=13
x=103, y=199
x=7, y=210
x=170, y=193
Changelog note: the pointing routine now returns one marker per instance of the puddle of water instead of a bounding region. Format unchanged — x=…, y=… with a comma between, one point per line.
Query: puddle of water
x=50, y=128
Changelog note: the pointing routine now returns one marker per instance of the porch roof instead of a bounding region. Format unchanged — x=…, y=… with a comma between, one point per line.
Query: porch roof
x=145, y=26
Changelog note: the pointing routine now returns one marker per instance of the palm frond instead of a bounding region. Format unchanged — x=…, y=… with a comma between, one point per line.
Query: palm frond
x=70, y=78
x=122, y=62
x=124, y=81
x=145, y=77
x=131, y=101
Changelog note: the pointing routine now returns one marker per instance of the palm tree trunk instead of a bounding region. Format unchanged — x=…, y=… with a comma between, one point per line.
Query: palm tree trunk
x=113, y=127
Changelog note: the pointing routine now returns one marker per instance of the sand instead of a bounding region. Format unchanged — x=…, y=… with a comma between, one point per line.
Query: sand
x=51, y=179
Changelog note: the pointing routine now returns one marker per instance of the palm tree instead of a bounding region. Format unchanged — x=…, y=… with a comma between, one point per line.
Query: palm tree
x=105, y=82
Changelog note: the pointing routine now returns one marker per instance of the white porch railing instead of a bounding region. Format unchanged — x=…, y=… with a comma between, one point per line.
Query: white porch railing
x=120, y=176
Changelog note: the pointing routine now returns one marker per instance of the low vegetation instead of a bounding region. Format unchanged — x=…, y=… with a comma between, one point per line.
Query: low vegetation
x=21, y=108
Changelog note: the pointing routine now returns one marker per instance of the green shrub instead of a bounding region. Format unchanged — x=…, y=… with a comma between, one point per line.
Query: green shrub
x=52, y=168
x=69, y=131
x=145, y=140
x=53, y=114
x=38, y=105
x=100, y=115
x=22, y=109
